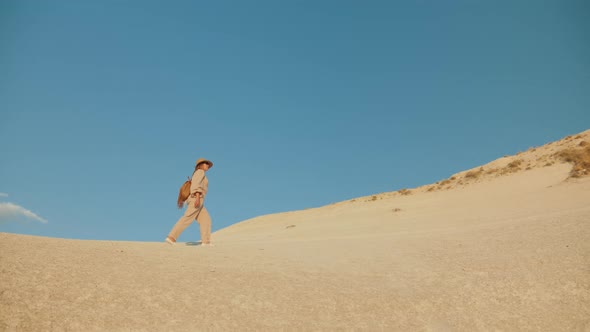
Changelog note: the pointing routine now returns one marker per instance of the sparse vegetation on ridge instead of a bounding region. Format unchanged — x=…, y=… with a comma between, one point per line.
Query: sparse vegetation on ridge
x=573, y=149
x=580, y=158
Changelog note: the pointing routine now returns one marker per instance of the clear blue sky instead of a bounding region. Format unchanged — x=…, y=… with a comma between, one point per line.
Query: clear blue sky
x=106, y=105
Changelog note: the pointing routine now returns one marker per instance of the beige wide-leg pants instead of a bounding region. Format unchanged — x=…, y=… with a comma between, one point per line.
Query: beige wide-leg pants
x=193, y=213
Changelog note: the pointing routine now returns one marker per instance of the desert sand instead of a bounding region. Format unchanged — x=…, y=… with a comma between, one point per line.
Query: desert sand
x=505, y=246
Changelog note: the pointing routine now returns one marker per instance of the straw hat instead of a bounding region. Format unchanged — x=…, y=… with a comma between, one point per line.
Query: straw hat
x=203, y=160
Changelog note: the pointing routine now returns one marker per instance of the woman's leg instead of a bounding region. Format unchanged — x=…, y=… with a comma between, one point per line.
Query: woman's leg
x=184, y=221
x=204, y=220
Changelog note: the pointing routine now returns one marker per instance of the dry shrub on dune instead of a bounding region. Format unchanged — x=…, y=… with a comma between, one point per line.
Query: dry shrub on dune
x=404, y=191
x=474, y=174
x=491, y=171
x=444, y=183
x=512, y=167
x=580, y=158
x=515, y=164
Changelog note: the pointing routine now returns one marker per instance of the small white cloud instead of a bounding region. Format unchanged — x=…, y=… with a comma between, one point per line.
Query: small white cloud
x=12, y=212
x=3, y=195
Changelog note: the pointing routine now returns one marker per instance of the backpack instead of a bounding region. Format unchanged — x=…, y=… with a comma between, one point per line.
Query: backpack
x=184, y=193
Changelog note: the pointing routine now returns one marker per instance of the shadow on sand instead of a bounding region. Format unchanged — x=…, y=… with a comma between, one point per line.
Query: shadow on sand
x=193, y=243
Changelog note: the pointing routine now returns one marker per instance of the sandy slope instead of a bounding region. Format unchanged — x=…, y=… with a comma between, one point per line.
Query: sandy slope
x=508, y=252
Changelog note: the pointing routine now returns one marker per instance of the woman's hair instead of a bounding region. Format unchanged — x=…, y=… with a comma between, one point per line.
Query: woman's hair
x=197, y=167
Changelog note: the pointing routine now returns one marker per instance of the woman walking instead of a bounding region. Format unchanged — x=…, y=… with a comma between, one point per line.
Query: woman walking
x=195, y=208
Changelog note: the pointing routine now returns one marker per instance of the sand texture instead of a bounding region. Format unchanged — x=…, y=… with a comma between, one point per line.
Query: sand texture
x=499, y=251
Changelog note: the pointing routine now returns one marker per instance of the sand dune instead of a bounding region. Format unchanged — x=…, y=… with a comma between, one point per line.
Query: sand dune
x=500, y=250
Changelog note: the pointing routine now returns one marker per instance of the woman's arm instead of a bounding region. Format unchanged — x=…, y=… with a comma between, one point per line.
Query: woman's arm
x=197, y=188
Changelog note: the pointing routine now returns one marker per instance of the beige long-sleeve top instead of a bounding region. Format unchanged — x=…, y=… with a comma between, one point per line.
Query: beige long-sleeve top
x=199, y=183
